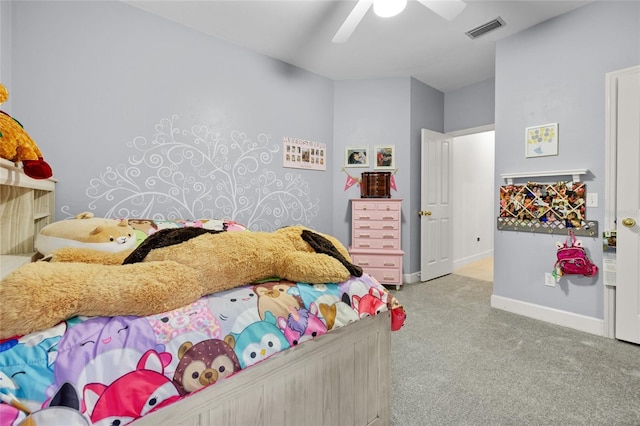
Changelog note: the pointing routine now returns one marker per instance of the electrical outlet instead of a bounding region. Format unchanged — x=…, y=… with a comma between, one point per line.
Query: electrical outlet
x=549, y=280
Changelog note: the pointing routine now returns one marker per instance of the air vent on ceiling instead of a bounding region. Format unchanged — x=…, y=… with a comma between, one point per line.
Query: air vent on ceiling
x=485, y=28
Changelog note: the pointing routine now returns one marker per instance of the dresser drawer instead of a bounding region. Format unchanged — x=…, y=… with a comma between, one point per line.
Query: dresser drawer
x=385, y=276
x=376, y=205
x=375, y=234
x=367, y=225
x=377, y=260
x=376, y=243
x=371, y=215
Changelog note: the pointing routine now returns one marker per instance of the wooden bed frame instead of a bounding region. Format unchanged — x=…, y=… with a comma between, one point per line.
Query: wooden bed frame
x=340, y=378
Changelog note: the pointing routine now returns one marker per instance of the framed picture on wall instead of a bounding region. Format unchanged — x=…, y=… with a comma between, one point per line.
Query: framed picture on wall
x=304, y=154
x=356, y=156
x=541, y=141
x=385, y=157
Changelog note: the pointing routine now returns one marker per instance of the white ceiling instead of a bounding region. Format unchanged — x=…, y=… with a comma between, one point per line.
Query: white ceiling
x=416, y=43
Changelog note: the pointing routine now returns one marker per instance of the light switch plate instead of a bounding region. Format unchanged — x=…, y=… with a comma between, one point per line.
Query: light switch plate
x=592, y=199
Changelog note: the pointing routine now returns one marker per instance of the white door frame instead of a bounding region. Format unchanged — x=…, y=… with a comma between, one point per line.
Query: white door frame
x=436, y=248
x=611, y=145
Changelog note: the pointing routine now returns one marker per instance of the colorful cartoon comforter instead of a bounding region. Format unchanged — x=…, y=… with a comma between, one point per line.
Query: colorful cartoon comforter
x=113, y=370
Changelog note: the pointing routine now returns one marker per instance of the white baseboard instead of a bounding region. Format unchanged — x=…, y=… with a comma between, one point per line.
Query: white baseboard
x=551, y=315
x=411, y=278
x=459, y=263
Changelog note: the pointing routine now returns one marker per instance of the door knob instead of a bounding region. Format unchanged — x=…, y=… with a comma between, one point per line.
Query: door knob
x=628, y=222
x=424, y=213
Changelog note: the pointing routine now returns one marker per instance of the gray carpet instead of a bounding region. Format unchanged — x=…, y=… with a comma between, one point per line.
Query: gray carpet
x=457, y=361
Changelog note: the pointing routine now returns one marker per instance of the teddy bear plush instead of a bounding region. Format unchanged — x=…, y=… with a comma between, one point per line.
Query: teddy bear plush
x=87, y=232
x=171, y=268
x=17, y=146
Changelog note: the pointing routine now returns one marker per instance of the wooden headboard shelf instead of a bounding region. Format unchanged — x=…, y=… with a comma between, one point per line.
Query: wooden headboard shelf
x=26, y=206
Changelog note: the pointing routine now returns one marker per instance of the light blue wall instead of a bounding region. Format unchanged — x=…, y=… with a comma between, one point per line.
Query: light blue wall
x=470, y=106
x=427, y=112
x=97, y=83
x=555, y=72
x=368, y=113
x=380, y=112
x=5, y=47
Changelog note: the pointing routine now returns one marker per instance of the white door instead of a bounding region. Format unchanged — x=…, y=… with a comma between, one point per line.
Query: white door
x=436, y=258
x=628, y=208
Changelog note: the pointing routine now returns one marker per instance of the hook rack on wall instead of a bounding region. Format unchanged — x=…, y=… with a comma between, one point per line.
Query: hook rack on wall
x=590, y=229
x=574, y=173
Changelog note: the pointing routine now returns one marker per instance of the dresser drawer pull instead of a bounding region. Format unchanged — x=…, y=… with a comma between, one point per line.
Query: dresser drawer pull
x=389, y=278
x=363, y=217
x=364, y=226
x=388, y=218
x=363, y=235
x=388, y=227
x=363, y=245
x=389, y=264
x=387, y=236
x=363, y=262
x=387, y=245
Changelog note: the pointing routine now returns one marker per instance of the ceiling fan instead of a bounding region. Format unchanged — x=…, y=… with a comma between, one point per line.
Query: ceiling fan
x=448, y=9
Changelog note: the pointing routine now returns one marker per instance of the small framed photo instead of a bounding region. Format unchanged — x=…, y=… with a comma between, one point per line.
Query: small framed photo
x=356, y=156
x=385, y=157
x=541, y=141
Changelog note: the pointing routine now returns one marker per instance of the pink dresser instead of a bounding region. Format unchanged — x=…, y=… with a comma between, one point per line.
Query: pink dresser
x=375, y=238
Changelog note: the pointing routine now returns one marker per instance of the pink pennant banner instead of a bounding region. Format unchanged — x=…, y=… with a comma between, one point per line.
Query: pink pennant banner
x=350, y=182
x=393, y=183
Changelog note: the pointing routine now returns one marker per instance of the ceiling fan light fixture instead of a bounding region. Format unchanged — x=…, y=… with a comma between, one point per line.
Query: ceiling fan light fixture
x=388, y=8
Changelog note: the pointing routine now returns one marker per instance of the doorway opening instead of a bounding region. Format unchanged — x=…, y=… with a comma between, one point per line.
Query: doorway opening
x=473, y=201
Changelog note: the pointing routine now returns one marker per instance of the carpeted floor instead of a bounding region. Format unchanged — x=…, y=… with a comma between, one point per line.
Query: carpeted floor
x=457, y=361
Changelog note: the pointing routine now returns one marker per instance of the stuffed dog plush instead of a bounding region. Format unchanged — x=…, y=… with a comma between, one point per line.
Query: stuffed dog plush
x=171, y=268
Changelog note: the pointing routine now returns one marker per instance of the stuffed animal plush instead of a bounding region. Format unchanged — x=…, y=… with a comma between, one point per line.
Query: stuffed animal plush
x=16, y=145
x=167, y=272
x=87, y=232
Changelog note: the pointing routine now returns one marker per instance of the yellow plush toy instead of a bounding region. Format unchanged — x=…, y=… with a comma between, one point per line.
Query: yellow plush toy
x=87, y=232
x=171, y=268
x=17, y=146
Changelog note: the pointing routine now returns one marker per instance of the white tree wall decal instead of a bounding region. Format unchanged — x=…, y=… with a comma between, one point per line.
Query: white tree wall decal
x=198, y=173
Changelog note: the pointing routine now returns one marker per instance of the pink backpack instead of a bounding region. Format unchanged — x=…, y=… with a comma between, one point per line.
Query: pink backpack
x=572, y=259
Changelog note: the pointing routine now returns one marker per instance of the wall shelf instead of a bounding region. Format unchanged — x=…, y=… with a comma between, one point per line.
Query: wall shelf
x=590, y=229
x=575, y=174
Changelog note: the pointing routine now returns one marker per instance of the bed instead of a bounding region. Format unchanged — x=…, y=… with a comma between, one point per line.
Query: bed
x=320, y=355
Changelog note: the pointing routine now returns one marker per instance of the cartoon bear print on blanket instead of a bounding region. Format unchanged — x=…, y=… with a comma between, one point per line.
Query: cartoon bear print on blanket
x=204, y=364
x=192, y=323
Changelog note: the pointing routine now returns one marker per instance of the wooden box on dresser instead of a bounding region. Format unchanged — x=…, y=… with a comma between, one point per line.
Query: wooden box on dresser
x=375, y=238
x=26, y=206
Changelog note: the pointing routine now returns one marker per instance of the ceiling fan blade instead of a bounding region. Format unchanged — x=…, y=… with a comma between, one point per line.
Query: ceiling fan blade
x=352, y=21
x=448, y=9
